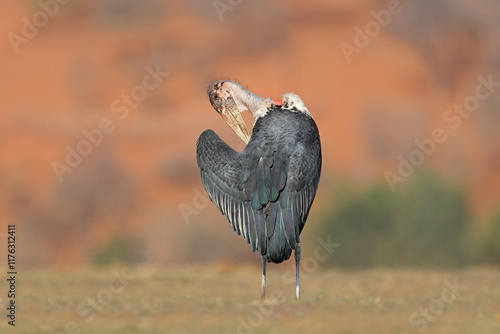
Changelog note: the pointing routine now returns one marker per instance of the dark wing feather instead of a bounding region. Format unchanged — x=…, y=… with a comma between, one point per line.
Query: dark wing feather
x=222, y=176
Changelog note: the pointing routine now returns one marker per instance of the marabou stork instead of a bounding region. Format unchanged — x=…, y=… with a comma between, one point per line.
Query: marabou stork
x=265, y=191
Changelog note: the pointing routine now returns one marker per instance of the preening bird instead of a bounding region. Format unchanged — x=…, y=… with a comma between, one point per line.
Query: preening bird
x=265, y=191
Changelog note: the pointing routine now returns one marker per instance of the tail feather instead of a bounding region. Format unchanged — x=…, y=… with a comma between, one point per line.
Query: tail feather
x=289, y=226
x=278, y=248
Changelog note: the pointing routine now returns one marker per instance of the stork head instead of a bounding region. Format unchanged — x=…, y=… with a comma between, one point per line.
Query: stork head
x=230, y=99
x=221, y=98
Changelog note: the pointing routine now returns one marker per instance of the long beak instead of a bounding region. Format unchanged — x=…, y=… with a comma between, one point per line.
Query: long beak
x=233, y=118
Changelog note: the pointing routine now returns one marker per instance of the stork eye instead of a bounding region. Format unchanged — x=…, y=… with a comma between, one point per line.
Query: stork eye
x=216, y=95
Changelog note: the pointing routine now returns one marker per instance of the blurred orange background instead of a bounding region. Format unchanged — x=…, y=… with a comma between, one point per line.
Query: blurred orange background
x=142, y=183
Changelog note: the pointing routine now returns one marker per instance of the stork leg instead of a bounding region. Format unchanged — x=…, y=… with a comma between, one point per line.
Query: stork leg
x=263, y=289
x=297, y=268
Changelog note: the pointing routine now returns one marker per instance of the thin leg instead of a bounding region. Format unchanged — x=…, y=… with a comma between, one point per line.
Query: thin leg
x=263, y=289
x=297, y=268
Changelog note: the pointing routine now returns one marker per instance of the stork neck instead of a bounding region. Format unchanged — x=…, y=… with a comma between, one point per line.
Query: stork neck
x=245, y=99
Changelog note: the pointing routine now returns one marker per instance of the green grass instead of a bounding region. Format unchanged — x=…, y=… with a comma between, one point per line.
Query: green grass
x=220, y=298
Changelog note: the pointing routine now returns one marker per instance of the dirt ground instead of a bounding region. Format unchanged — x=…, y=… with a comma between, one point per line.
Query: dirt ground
x=225, y=298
